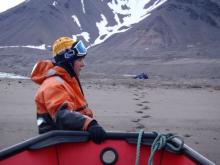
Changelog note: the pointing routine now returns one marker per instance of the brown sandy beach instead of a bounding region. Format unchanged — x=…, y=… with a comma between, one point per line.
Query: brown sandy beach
x=192, y=112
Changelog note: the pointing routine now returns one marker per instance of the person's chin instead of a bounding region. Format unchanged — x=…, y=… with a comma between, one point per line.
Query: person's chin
x=78, y=74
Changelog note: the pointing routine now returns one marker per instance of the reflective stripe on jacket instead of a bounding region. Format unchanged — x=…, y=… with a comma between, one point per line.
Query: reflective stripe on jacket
x=56, y=88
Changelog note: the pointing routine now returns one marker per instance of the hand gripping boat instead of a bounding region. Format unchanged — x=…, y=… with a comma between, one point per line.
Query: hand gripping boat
x=75, y=148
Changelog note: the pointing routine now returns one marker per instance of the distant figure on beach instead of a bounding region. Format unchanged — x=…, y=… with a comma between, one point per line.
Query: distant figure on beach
x=60, y=101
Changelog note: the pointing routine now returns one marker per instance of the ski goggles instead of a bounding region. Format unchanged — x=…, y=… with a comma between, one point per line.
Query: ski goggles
x=80, y=49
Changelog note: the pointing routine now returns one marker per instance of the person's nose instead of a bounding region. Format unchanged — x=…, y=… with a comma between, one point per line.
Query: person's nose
x=83, y=63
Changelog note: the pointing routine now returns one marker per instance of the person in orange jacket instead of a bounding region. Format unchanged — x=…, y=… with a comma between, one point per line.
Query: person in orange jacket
x=60, y=101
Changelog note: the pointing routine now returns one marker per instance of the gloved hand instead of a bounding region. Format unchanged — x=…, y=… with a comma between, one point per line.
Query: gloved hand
x=97, y=133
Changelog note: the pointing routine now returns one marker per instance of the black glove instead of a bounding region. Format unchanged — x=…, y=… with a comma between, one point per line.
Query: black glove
x=97, y=133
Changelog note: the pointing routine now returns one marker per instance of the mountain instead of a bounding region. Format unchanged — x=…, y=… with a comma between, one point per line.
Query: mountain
x=124, y=36
x=164, y=23
x=179, y=40
x=174, y=24
x=95, y=20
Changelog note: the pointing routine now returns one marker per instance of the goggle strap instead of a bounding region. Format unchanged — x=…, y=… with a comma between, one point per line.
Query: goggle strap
x=64, y=55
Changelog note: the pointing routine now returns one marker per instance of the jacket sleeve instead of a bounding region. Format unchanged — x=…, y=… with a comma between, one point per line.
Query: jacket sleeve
x=67, y=120
x=64, y=118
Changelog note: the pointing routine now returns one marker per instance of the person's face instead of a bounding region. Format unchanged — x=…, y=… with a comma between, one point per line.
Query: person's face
x=78, y=65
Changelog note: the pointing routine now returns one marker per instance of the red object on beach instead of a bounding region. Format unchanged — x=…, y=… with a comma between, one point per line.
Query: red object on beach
x=70, y=147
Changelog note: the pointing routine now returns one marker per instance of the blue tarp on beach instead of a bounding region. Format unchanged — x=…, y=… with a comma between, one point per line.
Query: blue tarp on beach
x=141, y=76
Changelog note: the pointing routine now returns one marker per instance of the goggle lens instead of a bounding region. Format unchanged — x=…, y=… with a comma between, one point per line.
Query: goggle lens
x=80, y=48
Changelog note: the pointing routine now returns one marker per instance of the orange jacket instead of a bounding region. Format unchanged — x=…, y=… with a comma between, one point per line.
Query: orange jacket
x=57, y=87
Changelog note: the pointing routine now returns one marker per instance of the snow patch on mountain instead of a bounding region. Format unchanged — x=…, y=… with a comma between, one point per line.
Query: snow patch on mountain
x=41, y=47
x=83, y=6
x=85, y=35
x=76, y=20
x=132, y=11
x=6, y=5
x=106, y=31
x=54, y=3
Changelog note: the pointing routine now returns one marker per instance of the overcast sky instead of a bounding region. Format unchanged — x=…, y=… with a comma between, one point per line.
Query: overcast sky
x=7, y=4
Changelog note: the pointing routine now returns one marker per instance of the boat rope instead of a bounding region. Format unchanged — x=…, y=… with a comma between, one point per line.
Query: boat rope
x=138, y=146
x=161, y=141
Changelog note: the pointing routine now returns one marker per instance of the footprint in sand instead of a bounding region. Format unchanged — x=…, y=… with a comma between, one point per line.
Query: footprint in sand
x=89, y=86
x=139, y=111
x=145, y=102
x=187, y=135
x=215, y=138
x=146, y=107
x=139, y=104
x=146, y=116
x=143, y=93
x=136, y=120
x=141, y=97
x=140, y=126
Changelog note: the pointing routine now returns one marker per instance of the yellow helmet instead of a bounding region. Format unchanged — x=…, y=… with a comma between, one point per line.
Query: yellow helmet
x=62, y=44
